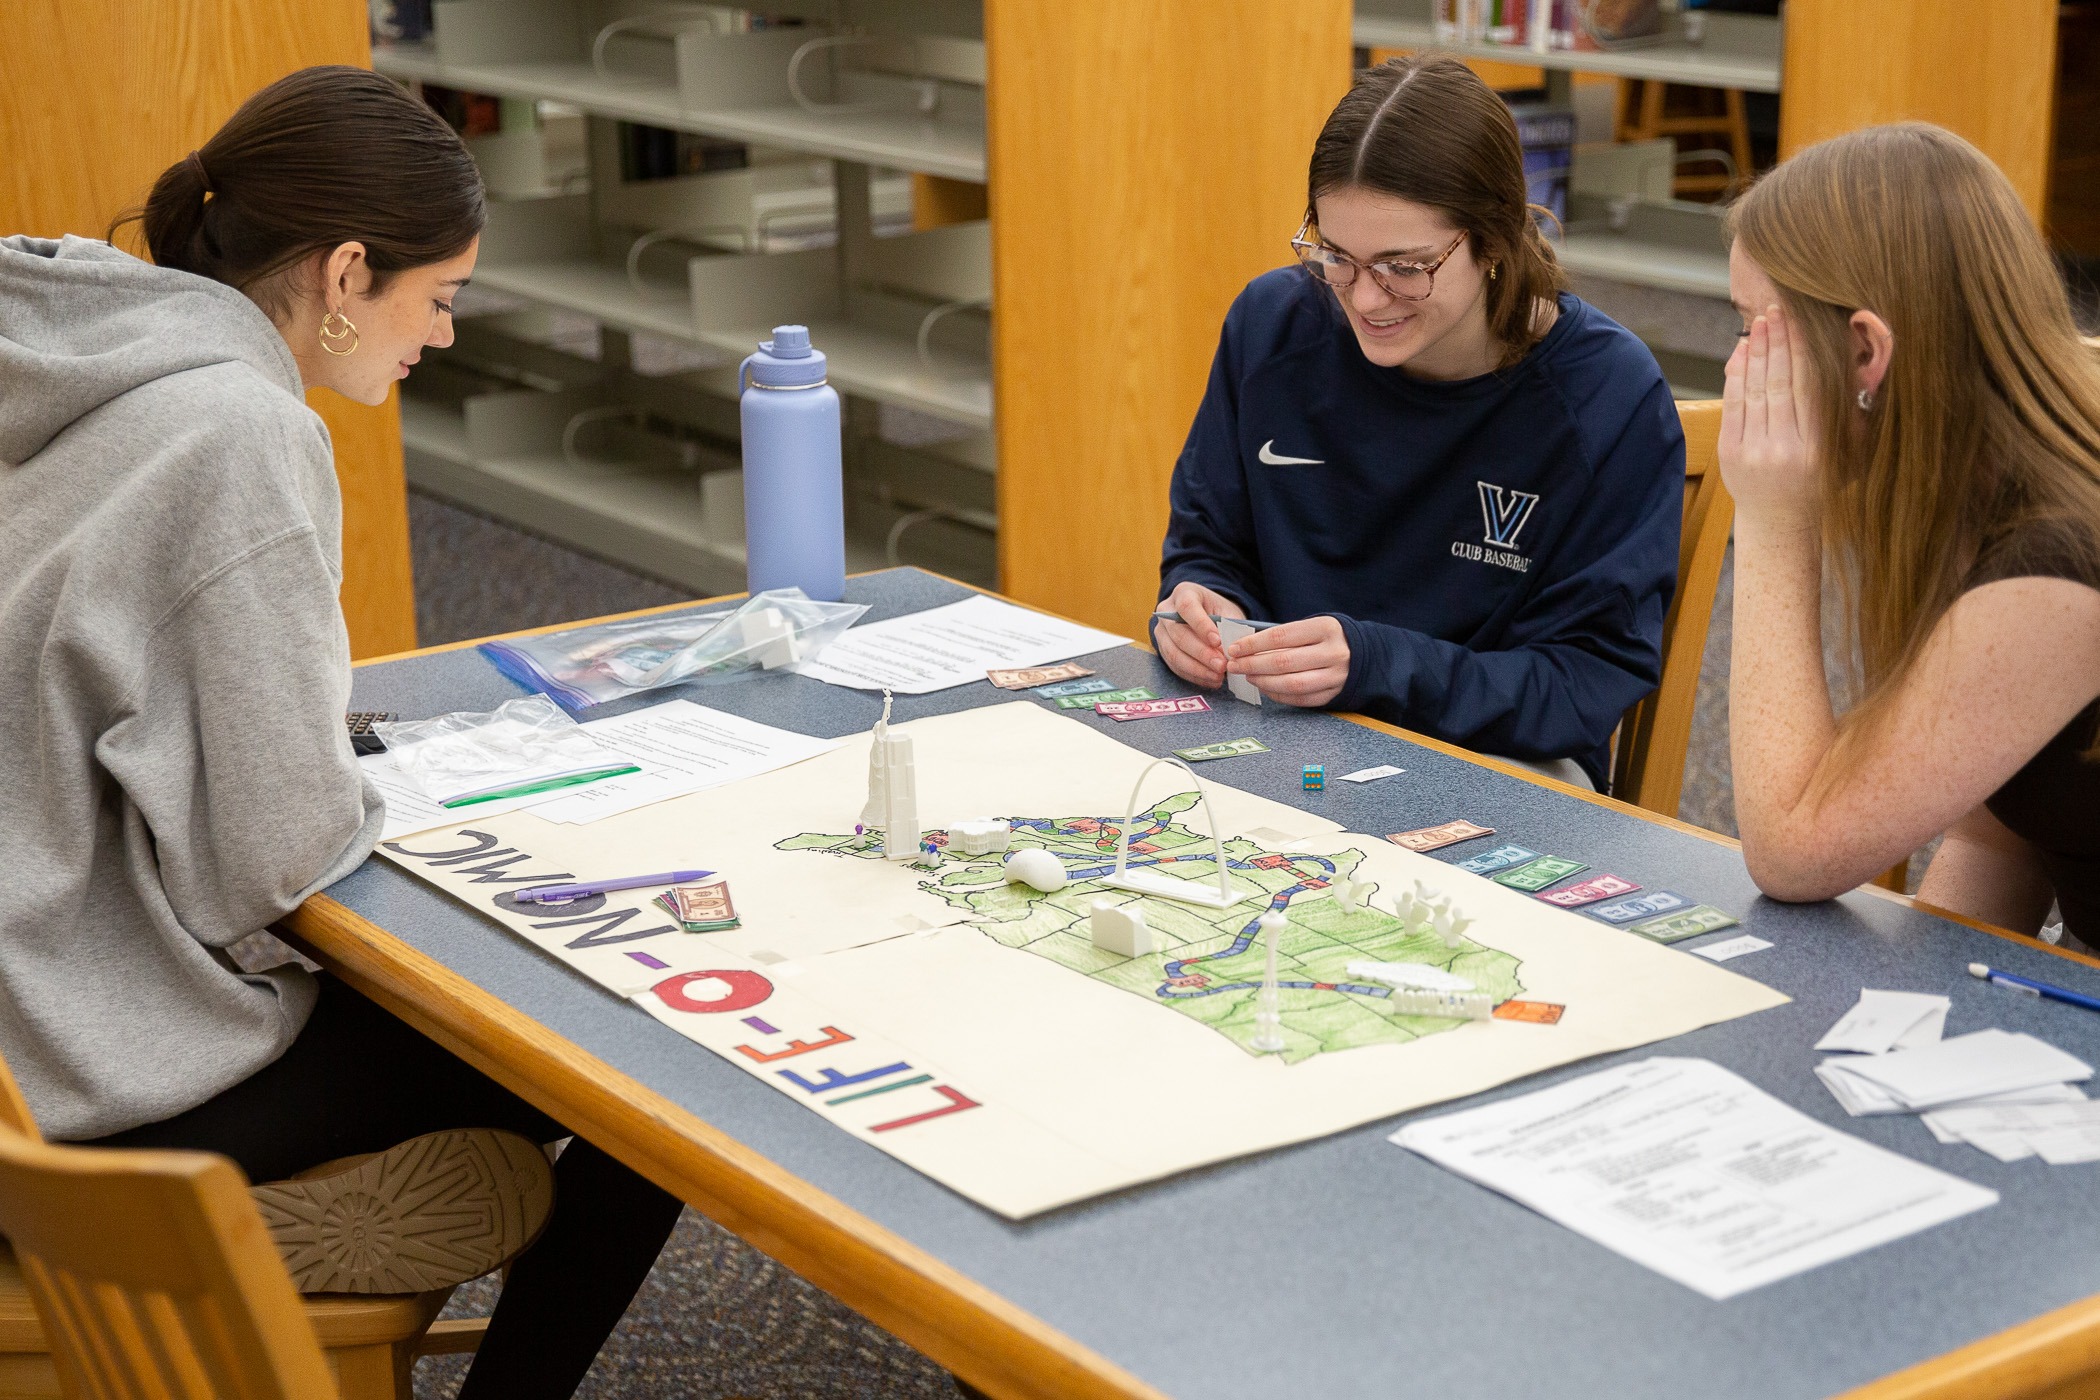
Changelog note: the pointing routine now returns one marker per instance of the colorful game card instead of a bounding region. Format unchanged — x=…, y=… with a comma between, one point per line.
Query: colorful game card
x=1501, y=858
x=1589, y=891
x=1632, y=911
x=1546, y=870
x=1230, y=748
x=1434, y=838
x=1092, y=685
x=1152, y=709
x=1538, y=1013
x=1090, y=699
x=1691, y=923
x=1026, y=677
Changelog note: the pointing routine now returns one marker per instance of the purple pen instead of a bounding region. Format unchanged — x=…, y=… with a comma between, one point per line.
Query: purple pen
x=561, y=894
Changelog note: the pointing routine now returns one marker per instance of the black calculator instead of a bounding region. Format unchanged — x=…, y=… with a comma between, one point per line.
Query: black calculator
x=362, y=738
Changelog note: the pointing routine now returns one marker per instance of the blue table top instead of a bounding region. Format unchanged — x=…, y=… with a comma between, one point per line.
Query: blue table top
x=1347, y=1266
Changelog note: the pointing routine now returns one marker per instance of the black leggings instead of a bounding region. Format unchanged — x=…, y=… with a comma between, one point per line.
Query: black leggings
x=357, y=1080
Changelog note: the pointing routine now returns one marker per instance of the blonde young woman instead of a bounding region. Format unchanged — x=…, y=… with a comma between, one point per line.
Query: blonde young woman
x=1912, y=410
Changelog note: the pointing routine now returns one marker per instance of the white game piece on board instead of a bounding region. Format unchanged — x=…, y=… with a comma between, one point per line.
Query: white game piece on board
x=1418, y=975
x=1230, y=630
x=1454, y=1006
x=1148, y=879
x=1353, y=893
x=1268, y=1012
x=900, y=804
x=1120, y=929
x=979, y=837
x=878, y=792
x=1456, y=933
x=1036, y=868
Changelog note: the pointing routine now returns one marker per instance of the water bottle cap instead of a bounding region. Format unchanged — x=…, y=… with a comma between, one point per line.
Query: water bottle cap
x=788, y=360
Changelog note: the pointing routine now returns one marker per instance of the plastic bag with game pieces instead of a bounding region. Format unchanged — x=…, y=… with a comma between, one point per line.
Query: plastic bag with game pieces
x=526, y=745
x=585, y=666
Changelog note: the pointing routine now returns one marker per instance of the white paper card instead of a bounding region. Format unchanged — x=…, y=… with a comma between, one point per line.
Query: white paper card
x=1690, y=1170
x=1371, y=775
x=1731, y=948
x=950, y=646
x=1967, y=1067
x=1230, y=630
x=1880, y=1019
x=681, y=747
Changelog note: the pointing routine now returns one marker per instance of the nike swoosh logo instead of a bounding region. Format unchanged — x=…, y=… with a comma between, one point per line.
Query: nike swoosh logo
x=1269, y=458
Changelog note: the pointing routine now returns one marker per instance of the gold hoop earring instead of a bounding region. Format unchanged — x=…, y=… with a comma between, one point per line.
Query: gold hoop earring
x=331, y=338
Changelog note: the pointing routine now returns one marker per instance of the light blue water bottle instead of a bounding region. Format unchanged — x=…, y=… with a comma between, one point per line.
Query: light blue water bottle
x=794, y=502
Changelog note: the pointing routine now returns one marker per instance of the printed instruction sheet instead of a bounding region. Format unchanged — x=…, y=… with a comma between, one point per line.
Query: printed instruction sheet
x=950, y=646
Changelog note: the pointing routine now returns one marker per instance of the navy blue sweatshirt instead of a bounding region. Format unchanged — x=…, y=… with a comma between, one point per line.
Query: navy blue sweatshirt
x=1499, y=551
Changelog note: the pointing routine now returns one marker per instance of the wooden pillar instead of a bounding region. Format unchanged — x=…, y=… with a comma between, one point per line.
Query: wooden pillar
x=1147, y=158
x=1985, y=71
x=97, y=97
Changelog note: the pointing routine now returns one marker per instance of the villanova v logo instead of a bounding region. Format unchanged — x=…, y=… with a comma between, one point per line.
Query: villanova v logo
x=1503, y=513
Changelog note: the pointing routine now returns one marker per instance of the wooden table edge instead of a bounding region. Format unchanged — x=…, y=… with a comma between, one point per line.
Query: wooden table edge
x=2025, y=1360
x=966, y=1327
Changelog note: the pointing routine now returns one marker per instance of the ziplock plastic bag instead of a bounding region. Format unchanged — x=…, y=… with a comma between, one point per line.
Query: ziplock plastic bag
x=586, y=666
x=522, y=746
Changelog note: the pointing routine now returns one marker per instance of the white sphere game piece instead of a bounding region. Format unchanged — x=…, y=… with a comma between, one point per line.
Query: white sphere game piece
x=1035, y=868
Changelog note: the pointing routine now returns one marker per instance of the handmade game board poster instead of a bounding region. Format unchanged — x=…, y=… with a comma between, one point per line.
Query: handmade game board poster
x=970, y=1028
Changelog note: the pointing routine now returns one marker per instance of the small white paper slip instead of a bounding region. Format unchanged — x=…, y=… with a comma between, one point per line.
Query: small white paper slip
x=950, y=646
x=1230, y=630
x=2061, y=1133
x=1856, y=1096
x=681, y=747
x=1968, y=1067
x=1371, y=775
x=1693, y=1172
x=1731, y=948
x=1880, y=1019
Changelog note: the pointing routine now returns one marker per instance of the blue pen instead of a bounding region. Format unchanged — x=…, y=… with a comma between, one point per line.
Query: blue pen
x=559, y=894
x=2034, y=988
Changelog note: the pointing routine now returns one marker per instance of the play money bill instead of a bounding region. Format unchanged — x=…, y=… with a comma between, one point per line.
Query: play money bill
x=1092, y=698
x=1703, y=918
x=1231, y=748
x=1431, y=838
x=1152, y=709
x=1501, y=858
x=1092, y=685
x=1546, y=870
x=1589, y=891
x=1632, y=911
x=702, y=908
x=1028, y=677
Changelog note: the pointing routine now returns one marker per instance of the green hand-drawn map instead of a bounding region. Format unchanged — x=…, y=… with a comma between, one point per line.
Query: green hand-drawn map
x=1207, y=963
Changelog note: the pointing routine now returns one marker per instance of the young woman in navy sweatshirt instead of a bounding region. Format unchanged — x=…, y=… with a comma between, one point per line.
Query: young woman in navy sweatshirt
x=1455, y=486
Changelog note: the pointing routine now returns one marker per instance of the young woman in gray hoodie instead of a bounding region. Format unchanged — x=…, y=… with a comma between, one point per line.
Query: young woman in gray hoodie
x=174, y=769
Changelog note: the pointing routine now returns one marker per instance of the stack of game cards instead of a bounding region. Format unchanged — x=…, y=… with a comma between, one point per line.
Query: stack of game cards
x=701, y=908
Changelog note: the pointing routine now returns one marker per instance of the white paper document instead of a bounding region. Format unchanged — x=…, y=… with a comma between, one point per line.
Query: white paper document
x=1371, y=775
x=949, y=646
x=1884, y=1021
x=1692, y=1171
x=681, y=747
x=2061, y=1133
x=1966, y=1067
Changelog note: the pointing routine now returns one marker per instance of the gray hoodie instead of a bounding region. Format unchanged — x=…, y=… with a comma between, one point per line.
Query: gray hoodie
x=174, y=771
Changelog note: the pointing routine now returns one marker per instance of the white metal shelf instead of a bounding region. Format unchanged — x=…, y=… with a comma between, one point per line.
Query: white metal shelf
x=1602, y=253
x=900, y=141
x=1738, y=51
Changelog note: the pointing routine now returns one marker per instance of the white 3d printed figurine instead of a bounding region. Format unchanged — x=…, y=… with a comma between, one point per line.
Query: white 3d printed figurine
x=1120, y=929
x=1268, y=1013
x=1452, y=1006
x=1036, y=868
x=1148, y=879
x=893, y=790
x=1352, y=893
x=979, y=838
x=1452, y=925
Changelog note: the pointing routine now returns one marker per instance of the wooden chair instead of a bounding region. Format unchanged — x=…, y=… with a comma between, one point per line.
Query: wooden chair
x=370, y=1343
x=1648, y=766
x=1641, y=116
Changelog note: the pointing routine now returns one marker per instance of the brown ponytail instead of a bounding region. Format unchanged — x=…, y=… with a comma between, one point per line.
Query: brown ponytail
x=1427, y=129
x=322, y=157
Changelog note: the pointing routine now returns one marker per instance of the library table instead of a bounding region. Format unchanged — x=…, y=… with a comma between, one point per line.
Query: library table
x=1343, y=1266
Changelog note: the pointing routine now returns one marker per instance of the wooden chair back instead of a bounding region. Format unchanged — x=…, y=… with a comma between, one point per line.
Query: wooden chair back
x=153, y=1273
x=1648, y=767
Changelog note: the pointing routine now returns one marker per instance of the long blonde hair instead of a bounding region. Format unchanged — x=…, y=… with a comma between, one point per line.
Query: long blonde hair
x=1988, y=422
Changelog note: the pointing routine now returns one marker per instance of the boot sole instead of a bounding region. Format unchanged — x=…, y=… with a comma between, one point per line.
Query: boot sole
x=430, y=1213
